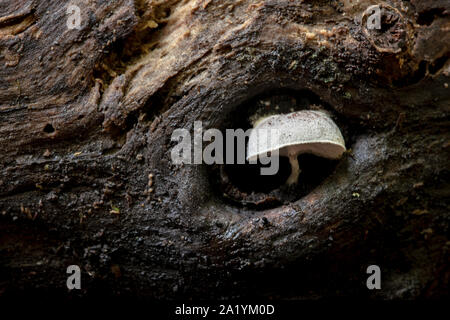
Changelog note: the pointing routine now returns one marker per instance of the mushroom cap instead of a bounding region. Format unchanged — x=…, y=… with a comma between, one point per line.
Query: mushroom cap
x=306, y=131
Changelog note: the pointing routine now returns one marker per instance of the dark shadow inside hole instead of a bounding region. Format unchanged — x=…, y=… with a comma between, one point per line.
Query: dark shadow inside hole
x=247, y=178
x=49, y=128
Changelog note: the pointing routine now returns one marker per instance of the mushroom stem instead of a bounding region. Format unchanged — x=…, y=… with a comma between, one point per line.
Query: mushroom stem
x=295, y=170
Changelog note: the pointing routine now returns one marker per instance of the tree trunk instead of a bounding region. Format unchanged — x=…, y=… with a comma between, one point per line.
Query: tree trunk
x=86, y=118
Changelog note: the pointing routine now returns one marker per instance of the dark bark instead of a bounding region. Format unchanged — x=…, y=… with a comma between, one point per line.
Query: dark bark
x=86, y=115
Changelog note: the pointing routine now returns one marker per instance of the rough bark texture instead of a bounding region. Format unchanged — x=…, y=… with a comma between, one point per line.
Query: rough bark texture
x=86, y=115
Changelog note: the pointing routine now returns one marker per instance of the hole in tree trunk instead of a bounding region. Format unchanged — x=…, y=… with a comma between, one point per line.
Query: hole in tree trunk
x=243, y=184
x=49, y=128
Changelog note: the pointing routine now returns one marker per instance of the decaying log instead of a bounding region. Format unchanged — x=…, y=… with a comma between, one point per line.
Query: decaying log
x=86, y=115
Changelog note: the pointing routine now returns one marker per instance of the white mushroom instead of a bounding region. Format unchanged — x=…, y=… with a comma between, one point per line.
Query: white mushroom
x=305, y=131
